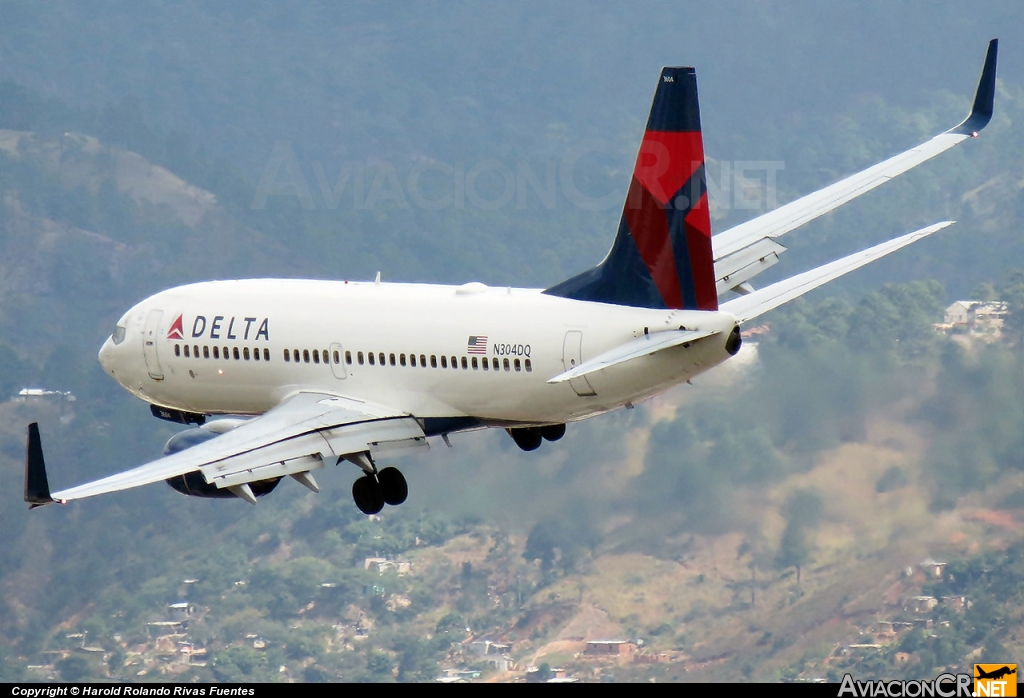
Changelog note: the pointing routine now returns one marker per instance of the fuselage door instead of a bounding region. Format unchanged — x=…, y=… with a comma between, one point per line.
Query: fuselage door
x=572, y=356
x=149, y=336
x=338, y=361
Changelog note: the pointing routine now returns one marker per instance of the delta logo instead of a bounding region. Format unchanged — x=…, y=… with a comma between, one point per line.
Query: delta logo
x=176, y=332
x=995, y=680
x=222, y=327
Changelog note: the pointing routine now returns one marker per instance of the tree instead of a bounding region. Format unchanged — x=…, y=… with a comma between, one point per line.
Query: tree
x=540, y=545
x=73, y=668
x=801, y=510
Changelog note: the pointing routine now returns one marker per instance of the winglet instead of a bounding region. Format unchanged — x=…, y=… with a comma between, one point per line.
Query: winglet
x=984, y=98
x=37, y=489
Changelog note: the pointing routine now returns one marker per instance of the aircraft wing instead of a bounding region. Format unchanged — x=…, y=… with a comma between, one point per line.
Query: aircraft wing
x=761, y=301
x=747, y=249
x=291, y=439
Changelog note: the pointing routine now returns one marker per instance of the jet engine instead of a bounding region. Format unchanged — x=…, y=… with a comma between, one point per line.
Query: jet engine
x=194, y=484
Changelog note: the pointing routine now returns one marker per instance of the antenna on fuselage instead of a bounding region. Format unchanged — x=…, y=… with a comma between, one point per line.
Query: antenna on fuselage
x=377, y=280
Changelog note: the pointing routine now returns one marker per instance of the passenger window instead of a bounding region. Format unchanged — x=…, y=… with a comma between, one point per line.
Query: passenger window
x=348, y=358
x=401, y=359
x=371, y=358
x=234, y=351
x=412, y=360
x=266, y=355
x=305, y=355
x=423, y=361
x=195, y=350
x=287, y=355
x=476, y=366
x=505, y=363
x=359, y=358
x=380, y=357
x=529, y=366
x=465, y=364
x=226, y=353
x=206, y=352
x=245, y=353
x=316, y=356
x=177, y=350
x=433, y=361
x=455, y=362
x=486, y=363
x=519, y=366
x=186, y=351
x=216, y=352
x=327, y=358
x=256, y=353
x=392, y=357
x=444, y=360
x=496, y=367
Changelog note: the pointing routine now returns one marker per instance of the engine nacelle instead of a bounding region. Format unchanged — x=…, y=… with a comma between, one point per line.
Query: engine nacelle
x=194, y=484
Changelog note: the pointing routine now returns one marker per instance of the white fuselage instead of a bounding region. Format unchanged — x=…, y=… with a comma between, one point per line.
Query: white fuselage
x=523, y=336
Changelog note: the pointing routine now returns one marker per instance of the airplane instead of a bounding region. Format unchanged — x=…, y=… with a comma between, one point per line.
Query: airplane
x=995, y=673
x=306, y=373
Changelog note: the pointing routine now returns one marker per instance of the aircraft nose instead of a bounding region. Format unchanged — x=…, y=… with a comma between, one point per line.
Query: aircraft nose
x=106, y=356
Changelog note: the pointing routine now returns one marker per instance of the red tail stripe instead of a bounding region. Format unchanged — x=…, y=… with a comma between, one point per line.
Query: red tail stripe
x=698, y=241
x=667, y=160
x=649, y=227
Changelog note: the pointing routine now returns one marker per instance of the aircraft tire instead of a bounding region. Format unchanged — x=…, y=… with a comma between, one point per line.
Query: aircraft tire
x=526, y=438
x=393, y=486
x=553, y=432
x=368, y=495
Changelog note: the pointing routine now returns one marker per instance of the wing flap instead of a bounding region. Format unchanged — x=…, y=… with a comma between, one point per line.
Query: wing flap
x=303, y=464
x=334, y=442
x=741, y=266
x=633, y=349
x=761, y=301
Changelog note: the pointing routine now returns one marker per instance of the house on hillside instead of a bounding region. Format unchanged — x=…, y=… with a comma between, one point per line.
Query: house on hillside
x=975, y=317
x=382, y=565
x=609, y=648
x=920, y=604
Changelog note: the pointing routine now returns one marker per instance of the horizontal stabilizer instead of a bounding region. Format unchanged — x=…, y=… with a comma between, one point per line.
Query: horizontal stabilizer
x=634, y=349
x=761, y=301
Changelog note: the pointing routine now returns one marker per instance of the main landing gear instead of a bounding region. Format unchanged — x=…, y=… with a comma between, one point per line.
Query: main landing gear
x=377, y=488
x=530, y=438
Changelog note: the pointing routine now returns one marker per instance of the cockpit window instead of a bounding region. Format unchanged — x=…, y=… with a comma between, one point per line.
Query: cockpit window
x=118, y=334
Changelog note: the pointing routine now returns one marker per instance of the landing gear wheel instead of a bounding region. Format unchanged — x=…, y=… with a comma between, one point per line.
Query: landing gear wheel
x=368, y=495
x=553, y=432
x=393, y=486
x=526, y=438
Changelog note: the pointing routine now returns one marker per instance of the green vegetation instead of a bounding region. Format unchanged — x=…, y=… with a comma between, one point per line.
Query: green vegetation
x=95, y=100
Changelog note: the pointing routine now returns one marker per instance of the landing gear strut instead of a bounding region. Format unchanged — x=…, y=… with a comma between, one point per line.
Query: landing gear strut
x=375, y=489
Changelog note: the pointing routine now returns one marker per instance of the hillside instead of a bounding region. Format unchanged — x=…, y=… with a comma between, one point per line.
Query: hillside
x=769, y=522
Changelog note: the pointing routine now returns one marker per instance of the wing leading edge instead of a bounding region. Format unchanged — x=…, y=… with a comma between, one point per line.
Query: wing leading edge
x=761, y=301
x=291, y=439
x=747, y=249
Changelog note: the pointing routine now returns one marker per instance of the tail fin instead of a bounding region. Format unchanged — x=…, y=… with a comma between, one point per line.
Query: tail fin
x=662, y=256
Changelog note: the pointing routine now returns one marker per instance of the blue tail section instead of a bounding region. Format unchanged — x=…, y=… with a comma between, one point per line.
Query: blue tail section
x=662, y=256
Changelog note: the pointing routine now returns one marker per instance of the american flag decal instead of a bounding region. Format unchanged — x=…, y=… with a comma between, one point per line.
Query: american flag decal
x=476, y=345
